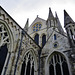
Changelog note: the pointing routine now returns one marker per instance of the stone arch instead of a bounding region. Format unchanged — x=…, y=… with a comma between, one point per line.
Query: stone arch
x=23, y=59
x=49, y=58
x=6, y=38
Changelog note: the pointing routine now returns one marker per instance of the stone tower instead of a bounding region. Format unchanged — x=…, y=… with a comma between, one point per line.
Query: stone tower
x=69, y=25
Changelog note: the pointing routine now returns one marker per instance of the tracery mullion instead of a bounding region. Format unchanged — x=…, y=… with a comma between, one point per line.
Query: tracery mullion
x=32, y=61
x=25, y=69
x=26, y=64
x=61, y=65
x=54, y=65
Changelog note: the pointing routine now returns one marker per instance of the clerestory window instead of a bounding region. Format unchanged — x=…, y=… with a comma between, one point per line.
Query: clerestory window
x=43, y=40
x=36, y=38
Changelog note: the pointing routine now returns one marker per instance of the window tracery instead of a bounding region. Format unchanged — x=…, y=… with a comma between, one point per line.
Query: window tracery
x=28, y=65
x=4, y=45
x=4, y=37
x=58, y=65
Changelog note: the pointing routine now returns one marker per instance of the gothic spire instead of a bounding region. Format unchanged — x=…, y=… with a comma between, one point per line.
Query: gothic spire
x=57, y=18
x=50, y=16
x=67, y=19
x=59, y=24
x=26, y=25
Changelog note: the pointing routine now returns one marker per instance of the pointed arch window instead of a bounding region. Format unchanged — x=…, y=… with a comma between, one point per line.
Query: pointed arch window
x=28, y=65
x=36, y=38
x=58, y=65
x=4, y=45
x=43, y=40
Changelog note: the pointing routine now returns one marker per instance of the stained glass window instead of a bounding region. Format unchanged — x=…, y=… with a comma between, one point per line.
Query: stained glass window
x=37, y=26
x=33, y=29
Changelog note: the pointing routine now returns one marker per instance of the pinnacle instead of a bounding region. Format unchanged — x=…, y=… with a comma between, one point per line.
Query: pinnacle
x=50, y=14
x=67, y=19
x=26, y=25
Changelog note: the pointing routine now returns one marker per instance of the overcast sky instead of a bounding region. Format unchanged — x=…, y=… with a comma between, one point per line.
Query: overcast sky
x=20, y=10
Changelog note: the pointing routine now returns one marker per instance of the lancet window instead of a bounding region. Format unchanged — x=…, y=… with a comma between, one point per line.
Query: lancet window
x=43, y=40
x=55, y=38
x=36, y=38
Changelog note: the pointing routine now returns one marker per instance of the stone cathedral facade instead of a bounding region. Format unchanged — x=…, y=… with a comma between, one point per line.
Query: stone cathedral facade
x=43, y=48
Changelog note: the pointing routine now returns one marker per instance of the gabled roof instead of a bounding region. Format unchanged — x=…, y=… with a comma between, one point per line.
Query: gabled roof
x=37, y=19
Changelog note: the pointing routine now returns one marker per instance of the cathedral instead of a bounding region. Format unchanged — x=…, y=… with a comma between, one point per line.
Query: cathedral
x=42, y=48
